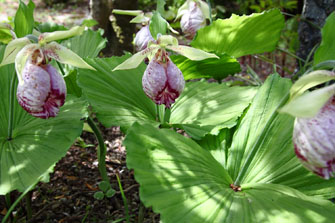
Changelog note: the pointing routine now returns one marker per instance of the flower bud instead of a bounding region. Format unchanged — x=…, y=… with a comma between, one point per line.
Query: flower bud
x=42, y=91
x=142, y=38
x=163, y=81
x=192, y=20
x=314, y=141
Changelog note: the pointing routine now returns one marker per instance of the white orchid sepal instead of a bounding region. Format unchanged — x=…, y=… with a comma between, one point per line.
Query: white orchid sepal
x=307, y=104
x=164, y=42
x=22, y=50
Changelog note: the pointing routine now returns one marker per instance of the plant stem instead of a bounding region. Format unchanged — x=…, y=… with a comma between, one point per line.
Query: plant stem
x=141, y=213
x=28, y=205
x=61, y=68
x=210, y=11
x=11, y=107
x=101, y=150
x=254, y=149
x=123, y=198
x=17, y=201
x=8, y=204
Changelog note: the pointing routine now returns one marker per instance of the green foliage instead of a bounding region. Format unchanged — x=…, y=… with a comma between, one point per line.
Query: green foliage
x=118, y=99
x=241, y=35
x=205, y=108
x=158, y=25
x=87, y=45
x=219, y=68
x=24, y=19
x=99, y=195
x=160, y=6
x=190, y=182
x=327, y=47
x=49, y=27
x=5, y=36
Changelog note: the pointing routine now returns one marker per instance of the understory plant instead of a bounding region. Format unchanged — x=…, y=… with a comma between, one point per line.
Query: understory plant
x=245, y=153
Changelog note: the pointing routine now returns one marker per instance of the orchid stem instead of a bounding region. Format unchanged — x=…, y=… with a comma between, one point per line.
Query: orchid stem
x=28, y=205
x=101, y=150
x=61, y=68
x=210, y=11
x=8, y=214
x=102, y=147
x=11, y=107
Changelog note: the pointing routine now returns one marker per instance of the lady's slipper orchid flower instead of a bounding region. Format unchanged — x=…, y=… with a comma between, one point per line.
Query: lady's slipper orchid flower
x=142, y=38
x=41, y=89
x=314, y=141
x=162, y=80
x=314, y=128
x=193, y=17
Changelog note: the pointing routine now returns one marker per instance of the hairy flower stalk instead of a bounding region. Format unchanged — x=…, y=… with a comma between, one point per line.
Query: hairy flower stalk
x=162, y=80
x=142, y=38
x=314, y=141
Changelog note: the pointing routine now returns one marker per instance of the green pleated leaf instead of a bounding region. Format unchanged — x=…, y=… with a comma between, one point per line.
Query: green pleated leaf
x=241, y=35
x=215, y=68
x=36, y=144
x=208, y=107
x=176, y=175
x=327, y=47
x=117, y=97
x=269, y=135
x=218, y=145
x=71, y=83
x=277, y=203
x=184, y=183
x=89, y=44
x=252, y=125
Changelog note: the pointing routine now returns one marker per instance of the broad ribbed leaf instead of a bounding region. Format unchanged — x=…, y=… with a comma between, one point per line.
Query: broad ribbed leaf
x=117, y=97
x=89, y=44
x=178, y=178
x=215, y=68
x=241, y=35
x=327, y=47
x=36, y=144
x=24, y=19
x=207, y=107
x=269, y=135
x=184, y=183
